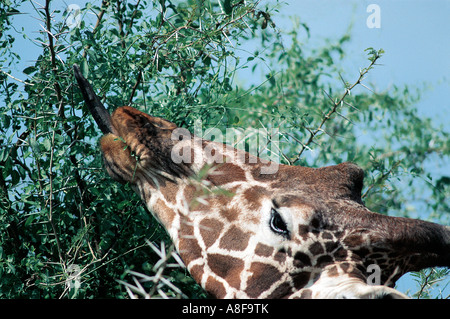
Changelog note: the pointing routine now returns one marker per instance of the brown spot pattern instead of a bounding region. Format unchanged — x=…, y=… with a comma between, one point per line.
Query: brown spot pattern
x=227, y=267
x=264, y=276
x=253, y=196
x=215, y=287
x=165, y=213
x=263, y=250
x=189, y=248
x=210, y=230
x=234, y=239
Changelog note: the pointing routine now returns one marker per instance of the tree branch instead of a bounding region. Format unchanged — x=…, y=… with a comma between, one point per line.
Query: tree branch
x=337, y=104
x=105, y=4
x=51, y=47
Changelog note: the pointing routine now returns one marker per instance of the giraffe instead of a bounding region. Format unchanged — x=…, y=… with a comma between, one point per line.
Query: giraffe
x=298, y=232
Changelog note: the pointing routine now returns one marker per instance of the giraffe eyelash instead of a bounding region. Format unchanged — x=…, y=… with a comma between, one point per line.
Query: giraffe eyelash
x=278, y=225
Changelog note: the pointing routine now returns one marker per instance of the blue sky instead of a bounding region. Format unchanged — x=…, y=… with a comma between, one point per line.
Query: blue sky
x=415, y=35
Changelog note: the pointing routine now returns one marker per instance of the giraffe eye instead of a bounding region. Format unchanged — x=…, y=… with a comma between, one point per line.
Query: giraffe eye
x=278, y=225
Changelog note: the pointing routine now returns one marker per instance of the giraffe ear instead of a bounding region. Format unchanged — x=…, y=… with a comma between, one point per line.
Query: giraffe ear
x=344, y=180
x=353, y=180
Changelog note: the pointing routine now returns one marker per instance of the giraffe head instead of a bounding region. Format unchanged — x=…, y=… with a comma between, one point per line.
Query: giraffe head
x=296, y=232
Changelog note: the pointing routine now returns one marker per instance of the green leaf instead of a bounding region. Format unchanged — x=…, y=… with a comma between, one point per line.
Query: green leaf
x=30, y=219
x=35, y=146
x=47, y=144
x=3, y=154
x=15, y=177
x=29, y=70
x=226, y=6
x=84, y=68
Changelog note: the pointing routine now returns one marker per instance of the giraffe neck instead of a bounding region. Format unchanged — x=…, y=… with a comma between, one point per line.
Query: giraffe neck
x=202, y=218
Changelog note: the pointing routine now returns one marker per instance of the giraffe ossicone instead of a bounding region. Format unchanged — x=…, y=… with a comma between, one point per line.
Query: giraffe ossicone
x=296, y=233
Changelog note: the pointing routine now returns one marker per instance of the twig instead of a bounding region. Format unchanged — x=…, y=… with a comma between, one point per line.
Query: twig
x=135, y=87
x=336, y=104
x=158, y=280
x=105, y=4
x=61, y=114
x=130, y=25
x=384, y=176
x=176, y=32
x=424, y=284
x=16, y=79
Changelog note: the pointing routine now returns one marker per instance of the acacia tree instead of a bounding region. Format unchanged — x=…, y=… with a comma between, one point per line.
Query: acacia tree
x=66, y=230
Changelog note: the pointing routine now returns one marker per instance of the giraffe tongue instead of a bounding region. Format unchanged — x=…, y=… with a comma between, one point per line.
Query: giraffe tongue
x=98, y=110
